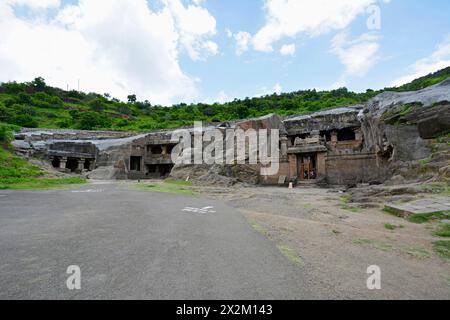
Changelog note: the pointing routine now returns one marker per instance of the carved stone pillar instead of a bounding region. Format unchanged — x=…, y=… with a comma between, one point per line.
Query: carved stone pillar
x=63, y=163
x=334, y=140
x=284, y=148
x=293, y=168
x=81, y=164
x=334, y=137
x=321, y=164
x=358, y=135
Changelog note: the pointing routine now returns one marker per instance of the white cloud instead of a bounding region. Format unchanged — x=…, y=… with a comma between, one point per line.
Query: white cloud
x=439, y=59
x=242, y=41
x=288, y=49
x=358, y=54
x=195, y=25
x=277, y=88
x=35, y=4
x=222, y=97
x=288, y=18
x=264, y=91
x=113, y=46
x=211, y=47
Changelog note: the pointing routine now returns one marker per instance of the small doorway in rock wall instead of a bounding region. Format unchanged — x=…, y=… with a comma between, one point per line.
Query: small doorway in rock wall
x=56, y=162
x=307, y=166
x=135, y=163
x=72, y=164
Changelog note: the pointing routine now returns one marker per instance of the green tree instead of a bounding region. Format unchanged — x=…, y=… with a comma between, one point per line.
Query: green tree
x=39, y=83
x=132, y=98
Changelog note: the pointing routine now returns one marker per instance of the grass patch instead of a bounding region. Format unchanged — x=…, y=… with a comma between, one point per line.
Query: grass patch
x=398, y=114
x=12, y=166
x=424, y=162
x=391, y=226
x=290, y=254
x=392, y=212
x=259, y=228
x=38, y=183
x=417, y=252
x=17, y=174
x=427, y=217
x=308, y=206
x=383, y=246
x=350, y=208
x=442, y=248
x=345, y=199
x=436, y=188
x=178, y=182
x=170, y=186
x=443, y=231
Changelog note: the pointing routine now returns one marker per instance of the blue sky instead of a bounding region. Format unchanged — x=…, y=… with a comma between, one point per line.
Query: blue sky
x=168, y=51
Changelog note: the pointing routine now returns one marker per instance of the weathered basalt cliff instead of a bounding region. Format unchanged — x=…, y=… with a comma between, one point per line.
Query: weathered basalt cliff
x=409, y=132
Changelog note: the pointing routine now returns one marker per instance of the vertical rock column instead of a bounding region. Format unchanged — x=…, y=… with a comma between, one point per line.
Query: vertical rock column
x=63, y=163
x=321, y=165
x=284, y=148
x=293, y=168
x=81, y=165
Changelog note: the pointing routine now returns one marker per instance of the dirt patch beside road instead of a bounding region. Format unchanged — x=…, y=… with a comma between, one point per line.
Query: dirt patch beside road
x=334, y=241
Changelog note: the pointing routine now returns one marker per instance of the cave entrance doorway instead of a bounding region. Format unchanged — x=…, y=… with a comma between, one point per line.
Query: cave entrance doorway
x=56, y=162
x=307, y=166
x=72, y=164
x=135, y=163
x=87, y=164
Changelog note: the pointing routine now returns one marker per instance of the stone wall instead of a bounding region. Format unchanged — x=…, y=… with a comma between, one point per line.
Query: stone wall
x=354, y=169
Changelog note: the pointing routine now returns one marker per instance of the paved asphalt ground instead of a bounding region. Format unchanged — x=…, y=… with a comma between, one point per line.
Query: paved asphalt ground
x=136, y=245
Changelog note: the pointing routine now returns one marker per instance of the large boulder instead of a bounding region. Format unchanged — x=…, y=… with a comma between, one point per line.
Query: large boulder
x=224, y=175
x=436, y=122
x=269, y=122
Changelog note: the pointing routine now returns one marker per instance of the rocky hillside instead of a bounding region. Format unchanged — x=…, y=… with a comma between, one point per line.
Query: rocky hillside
x=410, y=132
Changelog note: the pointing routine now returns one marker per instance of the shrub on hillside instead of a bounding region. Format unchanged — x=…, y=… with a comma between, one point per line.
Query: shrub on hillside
x=92, y=120
x=97, y=105
x=6, y=133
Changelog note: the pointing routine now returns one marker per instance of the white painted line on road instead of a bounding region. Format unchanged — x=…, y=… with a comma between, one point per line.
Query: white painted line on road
x=199, y=210
x=87, y=191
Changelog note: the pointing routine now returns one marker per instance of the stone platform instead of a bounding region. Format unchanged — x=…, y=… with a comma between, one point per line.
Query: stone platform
x=421, y=206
